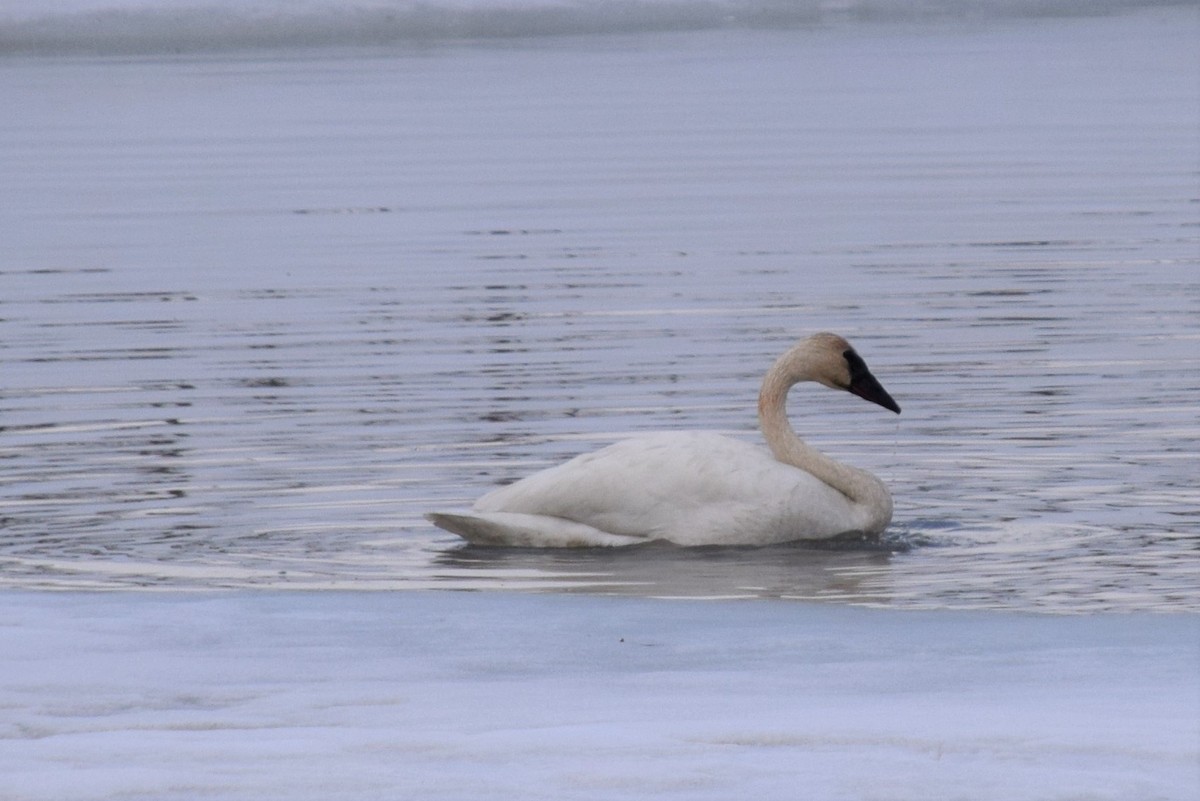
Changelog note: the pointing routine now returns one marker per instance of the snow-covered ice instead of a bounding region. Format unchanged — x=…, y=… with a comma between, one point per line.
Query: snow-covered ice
x=493, y=695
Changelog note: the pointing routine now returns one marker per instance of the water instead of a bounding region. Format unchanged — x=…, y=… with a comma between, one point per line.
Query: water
x=261, y=310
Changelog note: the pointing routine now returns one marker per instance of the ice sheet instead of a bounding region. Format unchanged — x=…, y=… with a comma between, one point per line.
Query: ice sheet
x=479, y=695
x=191, y=26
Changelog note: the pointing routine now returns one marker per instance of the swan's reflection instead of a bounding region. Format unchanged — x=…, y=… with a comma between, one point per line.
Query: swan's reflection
x=845, y=570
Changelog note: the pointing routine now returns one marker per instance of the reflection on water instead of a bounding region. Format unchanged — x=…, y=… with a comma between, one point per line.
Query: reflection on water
x=264, y=376
x=664, y=570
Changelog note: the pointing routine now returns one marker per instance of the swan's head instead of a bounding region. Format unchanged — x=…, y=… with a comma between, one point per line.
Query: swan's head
x=830, y=360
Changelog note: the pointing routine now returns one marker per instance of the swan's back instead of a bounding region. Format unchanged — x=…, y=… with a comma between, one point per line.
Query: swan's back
x=692, y=488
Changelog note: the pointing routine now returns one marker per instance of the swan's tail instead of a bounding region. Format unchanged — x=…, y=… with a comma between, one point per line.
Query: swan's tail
x=520, y=530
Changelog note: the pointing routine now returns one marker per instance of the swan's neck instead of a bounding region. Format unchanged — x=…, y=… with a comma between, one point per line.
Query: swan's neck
x=862, y=488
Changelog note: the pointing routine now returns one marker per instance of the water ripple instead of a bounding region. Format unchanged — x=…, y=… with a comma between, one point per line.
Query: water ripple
x=277, y=351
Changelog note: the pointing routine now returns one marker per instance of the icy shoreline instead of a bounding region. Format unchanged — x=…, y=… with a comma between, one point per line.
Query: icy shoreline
x=132, y=27
x=480, y=695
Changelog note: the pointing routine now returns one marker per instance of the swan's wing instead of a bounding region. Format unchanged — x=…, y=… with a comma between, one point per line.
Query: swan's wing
x=687, y=487
x=634, y=487
x=510, y=528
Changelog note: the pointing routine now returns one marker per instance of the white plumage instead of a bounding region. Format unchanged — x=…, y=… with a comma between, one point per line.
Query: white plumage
x=699, y=488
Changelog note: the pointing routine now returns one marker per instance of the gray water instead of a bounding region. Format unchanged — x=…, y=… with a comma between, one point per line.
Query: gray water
x=260, y=312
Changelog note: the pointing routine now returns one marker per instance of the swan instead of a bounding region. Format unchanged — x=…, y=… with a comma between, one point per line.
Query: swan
x=697, y=487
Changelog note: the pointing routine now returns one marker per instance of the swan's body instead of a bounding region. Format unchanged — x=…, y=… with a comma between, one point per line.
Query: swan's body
x=699, y=488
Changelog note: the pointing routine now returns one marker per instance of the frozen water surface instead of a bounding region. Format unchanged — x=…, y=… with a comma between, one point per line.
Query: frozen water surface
x=488, y=695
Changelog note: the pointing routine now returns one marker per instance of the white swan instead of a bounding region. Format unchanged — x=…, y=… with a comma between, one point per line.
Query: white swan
x=700, y=488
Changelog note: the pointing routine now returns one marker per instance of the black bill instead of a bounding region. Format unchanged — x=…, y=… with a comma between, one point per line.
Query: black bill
x=865, y=385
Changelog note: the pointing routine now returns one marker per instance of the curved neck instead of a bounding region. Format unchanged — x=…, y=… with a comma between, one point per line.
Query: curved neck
x=859, y=486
